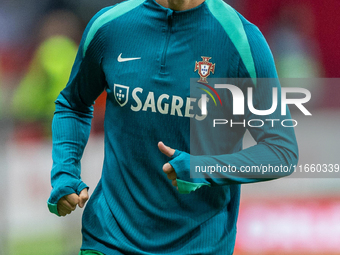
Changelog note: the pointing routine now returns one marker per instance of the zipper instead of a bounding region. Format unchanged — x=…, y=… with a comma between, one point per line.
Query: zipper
x=163, y=59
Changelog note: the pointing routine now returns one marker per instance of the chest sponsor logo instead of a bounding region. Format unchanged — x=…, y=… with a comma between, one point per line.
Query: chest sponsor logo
x=163, y=104
x=121, y=94
x=204, y=69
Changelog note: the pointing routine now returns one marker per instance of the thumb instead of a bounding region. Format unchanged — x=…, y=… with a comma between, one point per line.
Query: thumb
x=166, y=150
x=83, y=197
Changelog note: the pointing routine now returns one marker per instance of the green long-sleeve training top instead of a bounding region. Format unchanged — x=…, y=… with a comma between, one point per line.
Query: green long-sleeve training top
x=145, y=57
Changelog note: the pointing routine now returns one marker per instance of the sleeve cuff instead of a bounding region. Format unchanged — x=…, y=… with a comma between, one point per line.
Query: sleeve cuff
x=181, y=163
x=53, y=208
x=185, y=187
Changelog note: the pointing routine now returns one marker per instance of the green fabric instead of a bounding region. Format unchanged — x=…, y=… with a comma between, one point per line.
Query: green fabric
x=108, y=16
x=90, y=252
x=185, y=187
x=233, y=26
x=53, y=208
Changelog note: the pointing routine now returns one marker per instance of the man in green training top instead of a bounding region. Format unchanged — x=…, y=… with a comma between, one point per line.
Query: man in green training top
x=144, y=53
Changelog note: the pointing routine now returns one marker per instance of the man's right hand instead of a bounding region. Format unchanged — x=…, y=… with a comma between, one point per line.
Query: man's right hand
x=68, y=204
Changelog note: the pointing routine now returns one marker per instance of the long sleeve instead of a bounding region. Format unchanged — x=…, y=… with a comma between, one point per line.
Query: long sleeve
x=70, y=132
x=276, y=145
x=72, y=119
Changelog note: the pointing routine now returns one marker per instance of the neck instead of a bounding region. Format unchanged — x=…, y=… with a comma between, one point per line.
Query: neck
x=180, y=5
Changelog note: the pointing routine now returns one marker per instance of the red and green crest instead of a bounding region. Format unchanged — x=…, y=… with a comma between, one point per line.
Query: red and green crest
x=204, y=68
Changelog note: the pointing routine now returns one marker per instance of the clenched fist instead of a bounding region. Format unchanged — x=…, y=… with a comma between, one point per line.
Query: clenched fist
x=68, y=204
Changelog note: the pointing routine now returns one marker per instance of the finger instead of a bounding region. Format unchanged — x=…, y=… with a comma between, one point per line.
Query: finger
x=65, y=208
x=172, y=175
x=73, y=199
x=83, y=197
x=62, y=211
x=167, y=168
x=65, y=204
x=166, y=150
x=174, y=183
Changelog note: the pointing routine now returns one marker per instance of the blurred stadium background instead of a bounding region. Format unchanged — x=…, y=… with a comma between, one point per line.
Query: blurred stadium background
x=38, y=41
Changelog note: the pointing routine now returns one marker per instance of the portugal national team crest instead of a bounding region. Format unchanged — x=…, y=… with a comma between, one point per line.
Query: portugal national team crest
x=121, y=93
x=204, y=69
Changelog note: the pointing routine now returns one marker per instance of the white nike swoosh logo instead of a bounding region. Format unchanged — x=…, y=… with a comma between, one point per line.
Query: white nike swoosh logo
x=120, y=59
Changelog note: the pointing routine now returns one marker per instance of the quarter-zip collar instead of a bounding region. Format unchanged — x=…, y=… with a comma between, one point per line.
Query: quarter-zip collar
x=186, y=17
